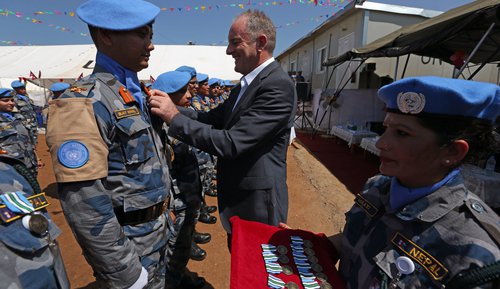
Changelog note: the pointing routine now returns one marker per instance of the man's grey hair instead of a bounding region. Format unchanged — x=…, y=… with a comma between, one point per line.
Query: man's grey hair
x=259, y=23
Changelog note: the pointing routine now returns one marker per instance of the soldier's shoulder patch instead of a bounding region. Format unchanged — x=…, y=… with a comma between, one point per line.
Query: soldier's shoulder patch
x=73, y=154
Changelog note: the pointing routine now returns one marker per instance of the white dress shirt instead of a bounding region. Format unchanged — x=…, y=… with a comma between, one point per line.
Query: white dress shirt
x=247, y=79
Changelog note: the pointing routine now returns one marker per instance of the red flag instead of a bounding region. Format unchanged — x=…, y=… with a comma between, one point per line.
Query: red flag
x=80, y=77
x=32, y=75
x=151, y=79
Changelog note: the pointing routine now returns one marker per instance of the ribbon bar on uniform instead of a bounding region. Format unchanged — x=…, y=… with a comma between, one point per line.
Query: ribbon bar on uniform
x=38, y=201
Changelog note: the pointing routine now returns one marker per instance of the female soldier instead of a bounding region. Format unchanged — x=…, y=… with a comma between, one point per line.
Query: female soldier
x=417, y=225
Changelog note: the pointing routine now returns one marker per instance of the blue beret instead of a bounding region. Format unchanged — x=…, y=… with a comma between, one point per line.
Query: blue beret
x=6, y=93
x=171, y=81
x=187, y=69
x=17, y=84
x=117, y=14
x=443, y=96
x=213, y=81
x=201, y=77
x=59, y=86
x=228, y=83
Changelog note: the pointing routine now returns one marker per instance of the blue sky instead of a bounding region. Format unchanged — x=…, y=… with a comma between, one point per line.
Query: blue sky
x=189, y=21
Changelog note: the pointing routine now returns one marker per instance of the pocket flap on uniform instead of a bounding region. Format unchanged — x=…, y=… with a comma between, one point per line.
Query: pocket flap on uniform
x=144, y=200
x=15, y=236
x=255, y=183
x=131, y=125
x=7, y=130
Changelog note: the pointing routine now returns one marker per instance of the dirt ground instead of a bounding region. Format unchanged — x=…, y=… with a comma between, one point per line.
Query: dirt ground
x=317, y=203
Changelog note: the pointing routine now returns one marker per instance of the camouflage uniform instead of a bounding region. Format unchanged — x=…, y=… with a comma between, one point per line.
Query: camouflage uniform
x=199, y=104
x=438, y=232
x=117, y=209
x=186, y=206
x=195, y=103
x=225, y=95
x=28, y=260
x=16, y=140
x=26, y=108
x=214, y=102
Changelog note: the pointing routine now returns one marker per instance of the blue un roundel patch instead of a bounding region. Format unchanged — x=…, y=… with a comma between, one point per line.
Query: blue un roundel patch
x=73, y=154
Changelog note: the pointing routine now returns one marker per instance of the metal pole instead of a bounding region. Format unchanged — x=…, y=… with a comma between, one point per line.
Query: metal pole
x=474, y=50
x=396, y=69
x=484, y=63
x=326, y=72
x=406, y=65
x=498, y=75
x=335, y=95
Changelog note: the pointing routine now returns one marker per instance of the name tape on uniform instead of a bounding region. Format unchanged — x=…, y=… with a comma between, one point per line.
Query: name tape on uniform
x=419, y=255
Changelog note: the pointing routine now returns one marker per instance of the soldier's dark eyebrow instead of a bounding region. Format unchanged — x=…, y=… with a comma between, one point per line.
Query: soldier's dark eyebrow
x=398, y=126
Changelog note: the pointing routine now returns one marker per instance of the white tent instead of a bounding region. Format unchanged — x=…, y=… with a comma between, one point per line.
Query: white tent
x=68, y=62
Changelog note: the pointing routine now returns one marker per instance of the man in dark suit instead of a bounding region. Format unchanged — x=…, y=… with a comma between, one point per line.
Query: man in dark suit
x=250, y=131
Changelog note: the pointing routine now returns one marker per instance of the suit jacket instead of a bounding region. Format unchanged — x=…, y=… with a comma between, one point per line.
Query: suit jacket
x=251, y=142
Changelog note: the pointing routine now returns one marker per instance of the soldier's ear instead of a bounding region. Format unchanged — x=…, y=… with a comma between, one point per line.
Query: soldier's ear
x=454, y=153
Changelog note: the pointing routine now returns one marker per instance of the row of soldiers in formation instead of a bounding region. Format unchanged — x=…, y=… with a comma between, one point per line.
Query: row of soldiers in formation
x=26, y=223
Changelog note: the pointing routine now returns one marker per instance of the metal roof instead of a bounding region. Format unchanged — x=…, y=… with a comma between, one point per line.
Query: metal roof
x=365, y=5
x=459, y=29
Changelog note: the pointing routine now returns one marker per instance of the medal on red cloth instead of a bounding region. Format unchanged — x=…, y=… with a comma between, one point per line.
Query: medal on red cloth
x=265, y=256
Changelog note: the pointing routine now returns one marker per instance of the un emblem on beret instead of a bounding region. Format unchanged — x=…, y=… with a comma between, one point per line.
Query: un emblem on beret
x=411, y=102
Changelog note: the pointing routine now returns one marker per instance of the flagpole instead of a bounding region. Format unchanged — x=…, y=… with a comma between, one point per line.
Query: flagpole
x=44, y=91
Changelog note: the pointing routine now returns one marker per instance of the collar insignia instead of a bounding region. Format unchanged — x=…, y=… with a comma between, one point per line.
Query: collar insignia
x=77, y=89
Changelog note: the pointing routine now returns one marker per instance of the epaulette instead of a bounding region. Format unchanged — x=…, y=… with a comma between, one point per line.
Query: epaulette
x=80, y=88
x=376, y=181
x=486, y=217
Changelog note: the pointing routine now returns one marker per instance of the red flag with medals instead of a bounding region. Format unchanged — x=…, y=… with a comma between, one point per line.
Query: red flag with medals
x=255, y=247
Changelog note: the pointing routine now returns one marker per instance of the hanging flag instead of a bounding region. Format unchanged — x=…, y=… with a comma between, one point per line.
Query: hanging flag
x=315, y=2
x=151, y=79
x=32, y=75
x=80, y=77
